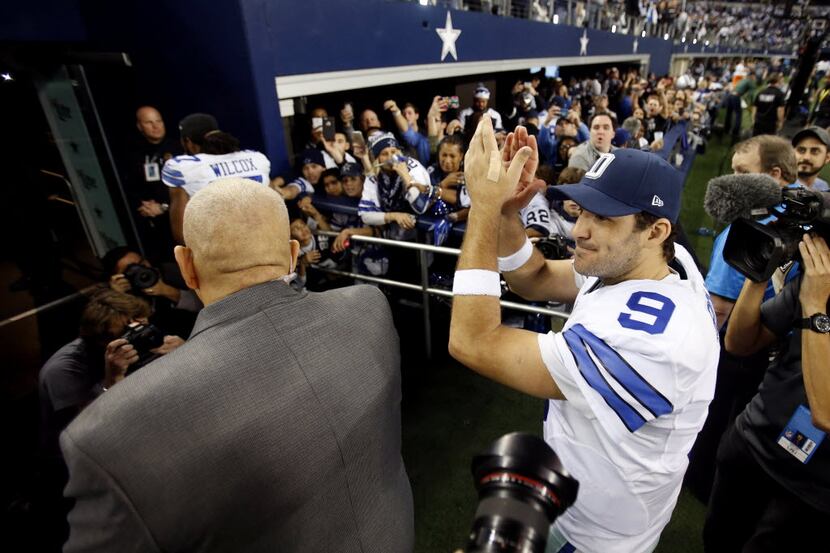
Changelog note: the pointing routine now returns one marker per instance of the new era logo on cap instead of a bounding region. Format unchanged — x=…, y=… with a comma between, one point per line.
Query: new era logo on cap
x=656, y=201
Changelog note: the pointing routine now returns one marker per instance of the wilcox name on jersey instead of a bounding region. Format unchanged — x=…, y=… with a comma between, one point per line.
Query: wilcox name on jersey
x=192, y=173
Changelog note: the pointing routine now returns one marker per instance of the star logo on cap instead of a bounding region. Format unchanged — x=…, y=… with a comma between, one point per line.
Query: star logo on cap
x=448, y=37
x=583, y=44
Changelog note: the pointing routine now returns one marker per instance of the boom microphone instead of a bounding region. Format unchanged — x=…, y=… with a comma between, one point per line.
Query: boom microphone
x=732, y=196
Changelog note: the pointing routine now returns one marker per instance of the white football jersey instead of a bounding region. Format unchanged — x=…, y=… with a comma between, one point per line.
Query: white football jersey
x=637, y=363
x=192, y=173
x=494, y=115
x=536, y=215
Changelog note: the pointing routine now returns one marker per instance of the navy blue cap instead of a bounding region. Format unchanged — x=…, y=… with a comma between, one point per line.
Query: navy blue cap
x=351, y=170
x=625, y=182
x=621, y=137
x=312, y=155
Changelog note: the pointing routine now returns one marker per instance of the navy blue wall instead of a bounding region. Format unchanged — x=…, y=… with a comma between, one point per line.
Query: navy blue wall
x=191, y=56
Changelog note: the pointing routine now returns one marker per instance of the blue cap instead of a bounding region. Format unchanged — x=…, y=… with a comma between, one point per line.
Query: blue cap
x=312, y=155
x=351, y=170
x=625, y=182
x=381, y=141
x=621, y=137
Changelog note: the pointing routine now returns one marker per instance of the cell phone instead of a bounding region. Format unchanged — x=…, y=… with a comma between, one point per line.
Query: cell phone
x=658, y=135
x=563, y=114
x=357, y=139
x=316, y=122
x=328, y=128
x=452, y=102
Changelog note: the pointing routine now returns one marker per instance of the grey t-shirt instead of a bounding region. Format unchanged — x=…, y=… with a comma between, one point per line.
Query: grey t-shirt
x=778, y=397
x=67, y=381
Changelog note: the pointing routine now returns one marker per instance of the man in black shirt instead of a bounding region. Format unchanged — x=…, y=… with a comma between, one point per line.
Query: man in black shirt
x=773, y=475
x=768, y=110
x=148, y=197
x=655, y=123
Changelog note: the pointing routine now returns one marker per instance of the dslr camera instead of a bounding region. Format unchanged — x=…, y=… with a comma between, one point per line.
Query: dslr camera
x=141, y=277
x=553, y=247
x=522, y=488
x=143, y=337
x=756, y=250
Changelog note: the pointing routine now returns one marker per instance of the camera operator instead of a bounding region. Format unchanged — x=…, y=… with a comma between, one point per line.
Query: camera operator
x=738, y=378
x=95, y=361
x=773, y=471
x=174, y=307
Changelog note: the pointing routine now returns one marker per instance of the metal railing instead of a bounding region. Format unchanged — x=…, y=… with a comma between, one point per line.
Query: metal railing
x=424, y=287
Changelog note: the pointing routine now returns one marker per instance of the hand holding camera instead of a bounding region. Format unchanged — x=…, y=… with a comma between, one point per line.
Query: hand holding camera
x=118, y=357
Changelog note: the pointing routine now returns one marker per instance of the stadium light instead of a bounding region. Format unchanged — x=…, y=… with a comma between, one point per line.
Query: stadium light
x=666, y=36
x=644, y=34
x=683, y=39
x=6, y=76
x=694, y=41
x=556, y=19
x=423, y=2
x=706, y=43
x=613, y=28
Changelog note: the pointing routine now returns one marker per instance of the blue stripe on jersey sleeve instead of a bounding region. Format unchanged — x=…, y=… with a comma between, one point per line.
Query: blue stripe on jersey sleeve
x=173, y=181
x=172, y=172
x=257, y=178
x=633, y=382
x=589, y=371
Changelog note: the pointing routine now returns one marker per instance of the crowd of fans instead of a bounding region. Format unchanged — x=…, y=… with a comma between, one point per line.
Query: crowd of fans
x=757, y=25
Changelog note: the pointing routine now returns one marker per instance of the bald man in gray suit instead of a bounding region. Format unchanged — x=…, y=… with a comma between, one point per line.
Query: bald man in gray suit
x=275, y=427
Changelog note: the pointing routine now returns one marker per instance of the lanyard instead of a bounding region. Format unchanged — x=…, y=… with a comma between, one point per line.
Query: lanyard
x=822, y=95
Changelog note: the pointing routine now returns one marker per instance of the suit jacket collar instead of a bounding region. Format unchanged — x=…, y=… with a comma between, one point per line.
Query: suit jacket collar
x=245, y=302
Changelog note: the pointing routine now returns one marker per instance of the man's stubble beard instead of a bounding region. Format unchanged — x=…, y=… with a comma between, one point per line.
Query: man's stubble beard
x=619, y=261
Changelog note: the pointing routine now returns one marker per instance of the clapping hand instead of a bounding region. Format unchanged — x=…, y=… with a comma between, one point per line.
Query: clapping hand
x=501, y=180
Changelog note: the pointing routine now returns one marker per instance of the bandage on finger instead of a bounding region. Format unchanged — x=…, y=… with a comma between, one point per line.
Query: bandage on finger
x=494, y=171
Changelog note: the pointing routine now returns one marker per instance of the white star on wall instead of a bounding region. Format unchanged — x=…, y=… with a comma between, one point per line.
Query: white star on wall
x=448, y=37
x=583, y=44
x=636, y=45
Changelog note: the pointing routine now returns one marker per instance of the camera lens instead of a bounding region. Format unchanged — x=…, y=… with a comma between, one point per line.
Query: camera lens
x=141, y=277
x=522, y=488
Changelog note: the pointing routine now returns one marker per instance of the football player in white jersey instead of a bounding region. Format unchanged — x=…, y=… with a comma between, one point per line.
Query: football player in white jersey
x=631, y=375
x=211, y=155
x=535, y=217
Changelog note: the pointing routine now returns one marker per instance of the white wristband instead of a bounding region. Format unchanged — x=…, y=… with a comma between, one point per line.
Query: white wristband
x=476, y=282
x=517, y=258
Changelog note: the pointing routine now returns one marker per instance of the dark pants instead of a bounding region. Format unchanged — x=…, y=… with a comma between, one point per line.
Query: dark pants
x=733, y=108
x=749, y=512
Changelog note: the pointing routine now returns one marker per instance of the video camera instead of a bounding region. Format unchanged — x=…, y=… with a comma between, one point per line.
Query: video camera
x=756, y=250
x=522, y=488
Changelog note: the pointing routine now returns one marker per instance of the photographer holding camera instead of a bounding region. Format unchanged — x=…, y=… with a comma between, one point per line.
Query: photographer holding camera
x=773, y=471
x=79, y=372
x=174, y=307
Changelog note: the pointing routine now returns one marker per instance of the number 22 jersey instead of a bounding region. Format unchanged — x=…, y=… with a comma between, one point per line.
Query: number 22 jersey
x=637, y=363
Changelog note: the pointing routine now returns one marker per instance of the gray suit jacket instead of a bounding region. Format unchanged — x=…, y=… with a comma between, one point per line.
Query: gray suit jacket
x=276, y=427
